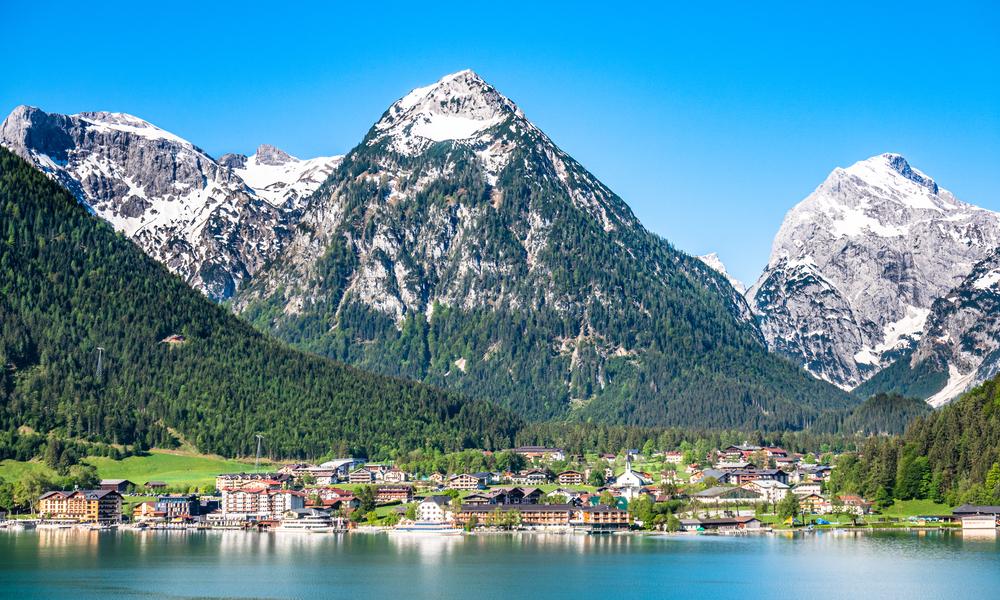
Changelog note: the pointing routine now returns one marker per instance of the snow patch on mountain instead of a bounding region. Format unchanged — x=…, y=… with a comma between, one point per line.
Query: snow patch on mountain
x=279, y=178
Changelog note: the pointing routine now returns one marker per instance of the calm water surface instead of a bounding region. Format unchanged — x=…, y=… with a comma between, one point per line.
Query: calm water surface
x=83, y=565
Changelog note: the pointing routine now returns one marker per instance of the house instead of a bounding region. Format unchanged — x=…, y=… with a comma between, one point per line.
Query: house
x=570, y=478
x=769, y=489
x=540, y=453
x=435, y=509
x=155, y=485
x=531, y=477
x=88, y=506
x=854, y=504
x=327, y=493
x=727, y=495
x=775, y=452
x=673, y=457
x=978, y=517
x=517, y=495
x=387, y=494
x=362, y=475
x=480, y=498
x=436, y=478
x=814, y=504
x=466, y=481
x=119, y=485
x=145, y=511
x=741, y=476
x=395, y=475
x=178, y=506
x=707, y=473
x=314, y=474
x=733, y=465
x=484, y=476
x=806, y=489
x=742, y=451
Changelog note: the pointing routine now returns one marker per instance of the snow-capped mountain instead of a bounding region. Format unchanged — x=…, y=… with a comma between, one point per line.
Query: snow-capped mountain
x=712, y=259
x=279, y=178
x=197, y=217
x=857, y=265
x=458, y=245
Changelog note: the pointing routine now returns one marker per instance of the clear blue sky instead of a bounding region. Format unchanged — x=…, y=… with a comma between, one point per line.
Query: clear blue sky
x=710, y=122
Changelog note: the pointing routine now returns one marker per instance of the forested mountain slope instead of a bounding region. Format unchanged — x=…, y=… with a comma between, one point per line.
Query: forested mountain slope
x=70, y=285
x=952, y=454
x=458, y=245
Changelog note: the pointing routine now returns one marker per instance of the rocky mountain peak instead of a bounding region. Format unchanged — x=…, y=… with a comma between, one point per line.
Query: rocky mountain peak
x=885, y=241
x=460, y=106
x=269, y=155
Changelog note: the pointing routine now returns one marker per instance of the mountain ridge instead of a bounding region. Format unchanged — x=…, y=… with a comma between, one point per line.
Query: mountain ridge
x=457, y=244
x=193, y=214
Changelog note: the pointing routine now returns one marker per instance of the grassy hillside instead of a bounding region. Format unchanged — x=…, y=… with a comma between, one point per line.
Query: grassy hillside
x=74, y=294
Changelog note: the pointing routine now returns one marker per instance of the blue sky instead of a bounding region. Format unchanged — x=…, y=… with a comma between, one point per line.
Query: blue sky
x=710, y=123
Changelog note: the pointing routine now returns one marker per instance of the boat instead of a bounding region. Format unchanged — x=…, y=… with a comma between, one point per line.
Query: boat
x=308, y=521
x=428, y=527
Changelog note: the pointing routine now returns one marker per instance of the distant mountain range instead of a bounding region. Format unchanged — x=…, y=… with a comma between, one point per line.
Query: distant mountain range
x=214, y=223
x=459, y=246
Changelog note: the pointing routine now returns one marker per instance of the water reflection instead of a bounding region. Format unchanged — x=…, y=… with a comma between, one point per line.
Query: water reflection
x=86, y=564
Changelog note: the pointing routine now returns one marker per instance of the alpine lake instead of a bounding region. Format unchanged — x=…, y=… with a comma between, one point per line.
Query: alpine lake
x=236, y=564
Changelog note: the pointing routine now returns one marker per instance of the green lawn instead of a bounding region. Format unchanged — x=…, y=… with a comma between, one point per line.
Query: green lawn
x=912, y=508
x=178, y=470
x=12, y=470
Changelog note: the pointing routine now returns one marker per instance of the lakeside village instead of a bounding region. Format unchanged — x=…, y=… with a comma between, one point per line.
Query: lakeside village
x=737, y=490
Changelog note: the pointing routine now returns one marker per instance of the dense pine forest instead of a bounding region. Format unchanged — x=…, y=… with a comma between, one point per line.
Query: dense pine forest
x=83, y=319
x=950, y=455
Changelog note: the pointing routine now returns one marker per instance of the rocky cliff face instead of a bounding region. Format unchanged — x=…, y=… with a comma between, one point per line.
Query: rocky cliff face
x=196, y=216
x=963, y=332
x=457, y=244
x=857, y=265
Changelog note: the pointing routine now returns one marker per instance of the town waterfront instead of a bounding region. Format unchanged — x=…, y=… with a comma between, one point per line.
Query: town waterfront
x=235, y=564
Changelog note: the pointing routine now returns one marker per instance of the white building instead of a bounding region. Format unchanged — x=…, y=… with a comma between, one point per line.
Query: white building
x=769, y=489
x=807, y=489
x=260, y=503
x=435, y=509
x=629, y=484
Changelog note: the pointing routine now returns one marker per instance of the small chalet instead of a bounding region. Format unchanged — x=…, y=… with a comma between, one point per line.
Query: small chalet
x=570, y=478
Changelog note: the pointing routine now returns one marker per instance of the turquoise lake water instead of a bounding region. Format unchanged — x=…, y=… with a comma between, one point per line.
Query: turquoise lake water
x=83, y=565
